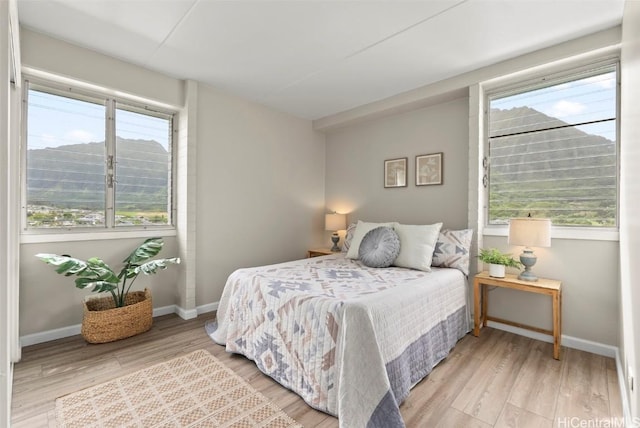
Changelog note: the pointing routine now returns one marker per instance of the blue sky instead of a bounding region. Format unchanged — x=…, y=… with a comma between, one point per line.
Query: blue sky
x=583, y=100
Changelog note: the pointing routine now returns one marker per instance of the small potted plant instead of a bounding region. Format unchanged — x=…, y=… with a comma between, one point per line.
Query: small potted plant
x=125, y=313
x=497, y=261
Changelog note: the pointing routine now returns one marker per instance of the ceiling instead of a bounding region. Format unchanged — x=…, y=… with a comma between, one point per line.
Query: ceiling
x=317, y=58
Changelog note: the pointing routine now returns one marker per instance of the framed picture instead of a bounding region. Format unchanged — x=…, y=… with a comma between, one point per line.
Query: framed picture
x=395, y=172
x=429, y=169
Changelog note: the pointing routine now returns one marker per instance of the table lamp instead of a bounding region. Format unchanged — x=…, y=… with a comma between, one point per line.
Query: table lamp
x=335, y=222
x=530, y=232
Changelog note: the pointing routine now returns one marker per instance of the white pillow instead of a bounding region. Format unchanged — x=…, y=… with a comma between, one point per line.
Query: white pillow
x=361, y=229
x=417, y=243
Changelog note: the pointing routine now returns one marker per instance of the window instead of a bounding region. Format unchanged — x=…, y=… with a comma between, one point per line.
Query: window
x=552, y=150
x=95, y=162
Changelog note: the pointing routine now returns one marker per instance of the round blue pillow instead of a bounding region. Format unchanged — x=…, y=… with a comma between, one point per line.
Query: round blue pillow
x=379, y=247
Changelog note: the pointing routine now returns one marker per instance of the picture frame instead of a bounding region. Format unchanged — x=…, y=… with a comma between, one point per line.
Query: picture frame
x=429, y=169
x=395, y=172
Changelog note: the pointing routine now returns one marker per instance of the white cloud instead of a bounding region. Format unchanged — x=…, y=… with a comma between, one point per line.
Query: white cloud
x=43, y=140
x=49, y=139
x=605, y=81
x=564, y=108
x=79, y=136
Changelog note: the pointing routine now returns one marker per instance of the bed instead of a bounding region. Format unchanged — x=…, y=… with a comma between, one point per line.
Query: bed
x=351, y=340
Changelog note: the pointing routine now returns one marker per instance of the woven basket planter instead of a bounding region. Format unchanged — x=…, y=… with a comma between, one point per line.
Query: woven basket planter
x=103, y=322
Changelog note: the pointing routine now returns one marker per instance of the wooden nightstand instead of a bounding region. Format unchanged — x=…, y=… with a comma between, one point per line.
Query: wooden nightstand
x=550, y=287
x=319, y=252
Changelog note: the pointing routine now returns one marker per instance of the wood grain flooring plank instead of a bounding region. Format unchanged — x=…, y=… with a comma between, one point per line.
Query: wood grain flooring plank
x=41, y=420
x=538, y=382
x=441, y=387
x=28, y=372
x=328, y=422
x=516, y=417
x=30, y=399
x=486, y=392
x=438, y=390
x=50, y=349
x=91, y=371
x=479, y=346
x=613, y=386
x=455, y=418
x=584, y=391
x=480, y=373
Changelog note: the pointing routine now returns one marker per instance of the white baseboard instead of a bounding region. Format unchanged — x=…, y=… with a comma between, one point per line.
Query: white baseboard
x=46, y=336
x=568, y=341
x=211, y=307
x=164, y=310
x=72, y=330
x=193, y=313
x=186, y=314
x=624, y=397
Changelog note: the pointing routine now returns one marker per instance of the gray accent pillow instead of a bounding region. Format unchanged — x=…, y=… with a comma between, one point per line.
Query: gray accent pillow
x=379, y=247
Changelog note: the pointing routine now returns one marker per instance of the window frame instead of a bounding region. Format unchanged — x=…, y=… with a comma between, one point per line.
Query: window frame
x=111, y=101
x=519, y=83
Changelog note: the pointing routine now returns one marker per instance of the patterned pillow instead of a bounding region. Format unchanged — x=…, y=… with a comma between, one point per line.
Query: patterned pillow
x=348, y=237
x=379, y=247
x=452, y=250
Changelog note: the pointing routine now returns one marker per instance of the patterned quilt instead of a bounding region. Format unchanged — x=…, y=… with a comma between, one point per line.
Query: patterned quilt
x=350, y=340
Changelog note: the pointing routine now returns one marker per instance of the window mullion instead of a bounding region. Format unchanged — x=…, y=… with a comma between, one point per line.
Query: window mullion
x=110, y=164
x=23, y=153
x=553, y=128
x=172, y=194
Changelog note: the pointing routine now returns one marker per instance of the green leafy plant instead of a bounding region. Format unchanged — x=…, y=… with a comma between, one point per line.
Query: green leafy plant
x=97, y=274
x=494, y=256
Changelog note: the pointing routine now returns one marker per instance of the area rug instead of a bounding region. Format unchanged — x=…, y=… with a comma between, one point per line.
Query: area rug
x=195, y=390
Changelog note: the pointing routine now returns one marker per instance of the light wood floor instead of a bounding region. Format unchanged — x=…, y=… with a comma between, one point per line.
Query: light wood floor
x=499, y=379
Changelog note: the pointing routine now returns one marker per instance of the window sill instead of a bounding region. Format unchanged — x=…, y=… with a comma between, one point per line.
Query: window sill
x=584, y=233
x=35, y=237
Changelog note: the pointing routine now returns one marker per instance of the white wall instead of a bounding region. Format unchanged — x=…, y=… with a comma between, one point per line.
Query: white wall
x=630, y=201
x=5, y=360
x=259, y=189
x=64, y=59
x=50, y=301
x=355, y=167
x=589, y=274
x=186, y=160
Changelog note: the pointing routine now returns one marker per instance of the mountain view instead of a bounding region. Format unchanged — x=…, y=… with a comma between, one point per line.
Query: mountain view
x=566, y=174
x=66, y=184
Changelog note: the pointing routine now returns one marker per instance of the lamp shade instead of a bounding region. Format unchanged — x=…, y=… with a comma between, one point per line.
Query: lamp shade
x=530, y=232
x=335, y=221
